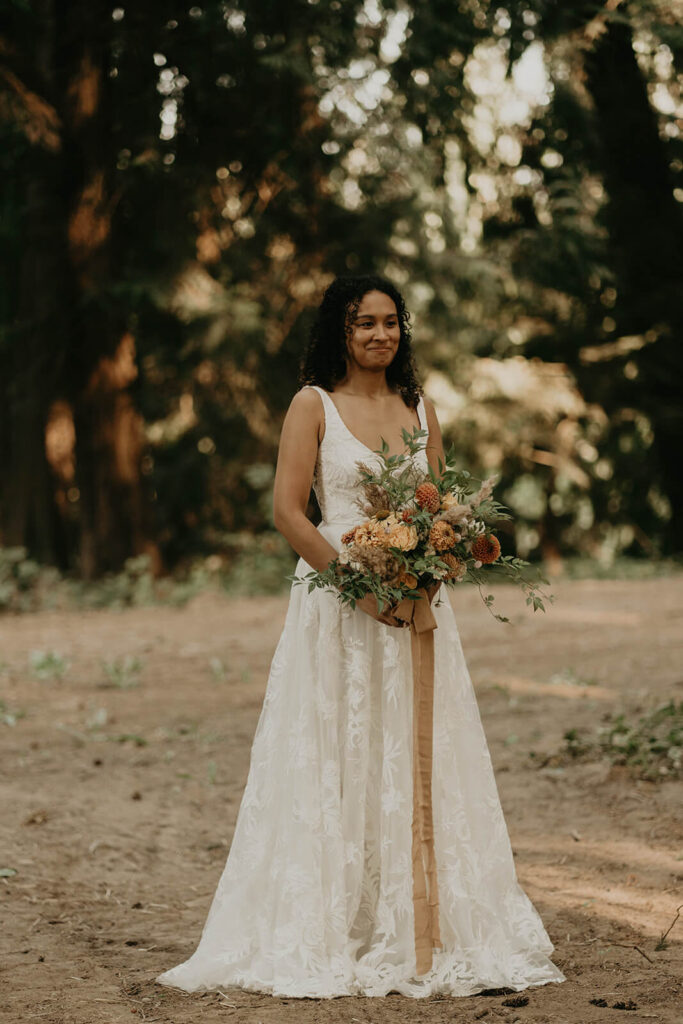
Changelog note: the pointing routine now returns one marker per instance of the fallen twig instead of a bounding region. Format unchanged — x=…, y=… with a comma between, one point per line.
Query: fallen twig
x=661, y=942
x=629, y=945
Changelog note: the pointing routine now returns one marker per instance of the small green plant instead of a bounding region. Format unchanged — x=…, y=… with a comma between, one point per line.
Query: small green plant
x=10, y=716
x=650, y=746
x=48, y=664
x=219, y=671
x=130, y=737
x=568, y=677
x=122, y=673
x=575, y=745
x=98, y=719
x=653, y=744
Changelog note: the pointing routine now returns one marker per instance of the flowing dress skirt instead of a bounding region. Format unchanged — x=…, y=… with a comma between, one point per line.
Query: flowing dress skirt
x=316, y=895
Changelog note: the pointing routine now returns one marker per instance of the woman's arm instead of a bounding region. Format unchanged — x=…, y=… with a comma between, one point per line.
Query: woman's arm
x=434, y=442
x=296, y=459
x=293, y=477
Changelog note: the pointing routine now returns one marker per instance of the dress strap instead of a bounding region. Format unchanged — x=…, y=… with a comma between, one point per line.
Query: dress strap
x=422, y=413
x=328, y=404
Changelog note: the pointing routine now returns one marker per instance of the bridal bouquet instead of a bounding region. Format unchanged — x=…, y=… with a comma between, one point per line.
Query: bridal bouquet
x=419, y=530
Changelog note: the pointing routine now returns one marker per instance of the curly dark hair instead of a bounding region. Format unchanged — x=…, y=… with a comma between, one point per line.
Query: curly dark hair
x=324, y=361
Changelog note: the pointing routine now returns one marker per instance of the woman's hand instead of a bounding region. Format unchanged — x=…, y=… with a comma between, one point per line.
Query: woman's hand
x=368, y=604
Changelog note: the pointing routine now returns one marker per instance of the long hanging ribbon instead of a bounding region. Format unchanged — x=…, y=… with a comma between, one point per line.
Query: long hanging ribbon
x=419, y=615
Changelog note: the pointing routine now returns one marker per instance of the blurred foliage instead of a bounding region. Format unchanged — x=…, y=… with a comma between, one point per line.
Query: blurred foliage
x=26, y=586
x=516, y=170
x=259, y=563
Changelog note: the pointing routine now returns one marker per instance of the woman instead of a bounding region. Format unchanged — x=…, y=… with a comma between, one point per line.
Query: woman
x=317, y=896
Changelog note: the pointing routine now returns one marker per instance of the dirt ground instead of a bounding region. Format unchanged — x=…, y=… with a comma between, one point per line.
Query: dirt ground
x=119, y=801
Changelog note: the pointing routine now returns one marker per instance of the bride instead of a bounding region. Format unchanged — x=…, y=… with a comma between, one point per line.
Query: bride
x=317, y=897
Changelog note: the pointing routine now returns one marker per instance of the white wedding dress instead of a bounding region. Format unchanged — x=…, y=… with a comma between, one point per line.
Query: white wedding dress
x=316, y=895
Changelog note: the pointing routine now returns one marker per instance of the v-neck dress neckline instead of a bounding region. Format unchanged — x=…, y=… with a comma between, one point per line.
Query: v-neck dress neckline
x=420, y=406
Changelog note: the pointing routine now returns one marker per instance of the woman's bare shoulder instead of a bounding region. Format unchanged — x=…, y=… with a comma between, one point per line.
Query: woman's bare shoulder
x=429, y=408
x=306, y=407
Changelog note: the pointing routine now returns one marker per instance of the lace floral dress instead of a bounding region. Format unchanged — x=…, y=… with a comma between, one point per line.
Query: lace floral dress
x=316, y=896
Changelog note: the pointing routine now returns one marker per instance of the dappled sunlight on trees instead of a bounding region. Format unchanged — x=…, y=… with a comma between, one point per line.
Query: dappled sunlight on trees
x=181, y=184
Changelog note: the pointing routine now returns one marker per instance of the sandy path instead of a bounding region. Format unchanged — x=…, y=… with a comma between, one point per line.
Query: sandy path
x=118, y=805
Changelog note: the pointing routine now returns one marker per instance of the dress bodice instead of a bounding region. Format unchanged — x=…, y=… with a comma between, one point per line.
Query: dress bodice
x=335, y=478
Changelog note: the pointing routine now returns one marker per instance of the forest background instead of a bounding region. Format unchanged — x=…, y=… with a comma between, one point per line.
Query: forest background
x=179, y=185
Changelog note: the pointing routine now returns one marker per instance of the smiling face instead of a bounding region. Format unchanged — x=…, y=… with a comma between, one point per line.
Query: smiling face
x=374, y=332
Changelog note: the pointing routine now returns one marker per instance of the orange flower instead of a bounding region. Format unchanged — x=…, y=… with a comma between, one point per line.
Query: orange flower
x=486, y=549
x=407, y=580
x=347, y=537
x=457, y=568
x=427, y=496
x=401, y=535
x=370, y=534
x=442, y=536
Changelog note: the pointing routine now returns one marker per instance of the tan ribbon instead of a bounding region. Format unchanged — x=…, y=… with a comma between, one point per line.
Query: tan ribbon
x=422, y=623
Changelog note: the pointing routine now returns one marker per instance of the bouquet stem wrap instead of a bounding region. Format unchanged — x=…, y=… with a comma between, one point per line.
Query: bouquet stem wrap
x=419, y=614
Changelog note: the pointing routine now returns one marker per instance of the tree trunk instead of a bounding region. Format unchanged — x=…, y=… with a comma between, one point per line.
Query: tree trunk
x=102, y=365
x=30, y=514
x=646, y=229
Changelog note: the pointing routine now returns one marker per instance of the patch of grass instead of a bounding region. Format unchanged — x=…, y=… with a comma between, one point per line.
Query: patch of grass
x=48, y=664
x=122, y=673
x=98, y=718
x=650, y=745
x=130, y=737
x=568, y=677
x=578, y=567
x=575, y=744
x=219, y=671
x=10, y=716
